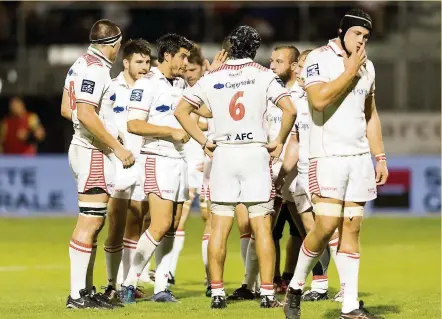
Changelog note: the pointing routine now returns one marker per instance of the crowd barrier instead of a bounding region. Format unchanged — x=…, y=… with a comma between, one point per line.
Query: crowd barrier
x=30, y=186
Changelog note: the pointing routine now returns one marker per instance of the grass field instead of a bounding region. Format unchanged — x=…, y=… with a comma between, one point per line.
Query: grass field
x=400, y=274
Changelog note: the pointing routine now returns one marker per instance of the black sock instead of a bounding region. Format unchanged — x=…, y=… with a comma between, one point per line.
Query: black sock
x=287, y=276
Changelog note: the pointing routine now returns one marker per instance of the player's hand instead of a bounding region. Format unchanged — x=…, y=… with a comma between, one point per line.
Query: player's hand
x=180, y=135
x=209, y=148
x=357, y=59
x=219, y=60
x=275, y=149
x=381, y=173
x=22, y=134
x=126, y=157
x=120, y=138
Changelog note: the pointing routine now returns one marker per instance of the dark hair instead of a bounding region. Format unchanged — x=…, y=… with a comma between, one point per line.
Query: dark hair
x=196, y=56
x=245, y=42
x=171, y=43
x=226, y=45
x=294, y=52
x=103, y=29
x=139, y=46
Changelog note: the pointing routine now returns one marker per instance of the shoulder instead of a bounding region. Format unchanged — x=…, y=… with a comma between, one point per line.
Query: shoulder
x=91, y=60
x=321, y=53
x=370, y=66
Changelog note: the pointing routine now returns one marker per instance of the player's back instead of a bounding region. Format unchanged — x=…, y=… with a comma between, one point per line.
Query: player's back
x=88, y=81
x=237, y=97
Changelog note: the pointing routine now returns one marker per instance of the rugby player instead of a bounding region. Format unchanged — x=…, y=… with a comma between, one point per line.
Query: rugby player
x=241, y=162
x=87, y=102
x=344, y=129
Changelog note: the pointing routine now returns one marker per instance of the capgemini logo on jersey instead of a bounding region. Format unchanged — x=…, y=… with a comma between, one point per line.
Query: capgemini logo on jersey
x=163, y=108
x=218, y=86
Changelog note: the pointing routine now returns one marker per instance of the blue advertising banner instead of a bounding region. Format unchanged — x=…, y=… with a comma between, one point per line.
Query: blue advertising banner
x=42, y=184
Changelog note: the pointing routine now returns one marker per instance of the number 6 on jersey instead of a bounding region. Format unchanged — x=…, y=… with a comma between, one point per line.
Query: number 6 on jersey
x=236, y=109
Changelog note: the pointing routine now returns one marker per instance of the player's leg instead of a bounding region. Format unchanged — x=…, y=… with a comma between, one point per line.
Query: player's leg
x=207, y=218
x=242, y=219
x=332, y=175
x=156, y=177
x=222, y=221
x=92, y=199
x=361, y=188
x=277, y=232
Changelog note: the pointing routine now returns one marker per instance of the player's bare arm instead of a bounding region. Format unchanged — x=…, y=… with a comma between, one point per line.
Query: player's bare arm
x=287, y=121
x=374, y=136
x=66, y=110
x=142, y=128
x=87, y=116
x=324, y=94
x=183, y=115
x=290, y=162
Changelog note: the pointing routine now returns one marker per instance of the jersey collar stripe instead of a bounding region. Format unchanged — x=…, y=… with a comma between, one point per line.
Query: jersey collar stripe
x=97, y=53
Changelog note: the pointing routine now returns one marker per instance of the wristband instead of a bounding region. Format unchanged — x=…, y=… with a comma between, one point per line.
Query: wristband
x=381, y=157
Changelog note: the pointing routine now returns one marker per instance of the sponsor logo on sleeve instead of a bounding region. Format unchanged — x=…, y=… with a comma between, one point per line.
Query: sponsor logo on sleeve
x=313, y=70
x=88, y=86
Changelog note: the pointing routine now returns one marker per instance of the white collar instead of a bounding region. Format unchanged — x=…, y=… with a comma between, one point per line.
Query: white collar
x=336, y=49
x=100, y=55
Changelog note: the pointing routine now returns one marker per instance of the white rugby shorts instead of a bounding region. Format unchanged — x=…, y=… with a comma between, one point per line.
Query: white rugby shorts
x=241, y=174
x=165, y=176
x=346, y=178
x=128, y=181
x=205, y=188
x=295, y=190
x=92, y=168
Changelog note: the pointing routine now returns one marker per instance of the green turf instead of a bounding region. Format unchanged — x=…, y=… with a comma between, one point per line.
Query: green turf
x=400, y=273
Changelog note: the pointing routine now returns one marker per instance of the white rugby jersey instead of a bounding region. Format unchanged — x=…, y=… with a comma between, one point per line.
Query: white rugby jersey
x=237, y=93
x=340, y=130
x=120, y=108
x=88, y=81
x=155, y=99
x=302, y=125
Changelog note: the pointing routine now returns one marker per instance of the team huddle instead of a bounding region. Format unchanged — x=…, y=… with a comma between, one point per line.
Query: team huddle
x=290, y=143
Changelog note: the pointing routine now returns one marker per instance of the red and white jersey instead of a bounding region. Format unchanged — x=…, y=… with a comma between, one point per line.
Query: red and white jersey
x=88, y=81
x=302, y=125
x=120, y=108
x=154, y=99
x=340, y=130
x=237, y=93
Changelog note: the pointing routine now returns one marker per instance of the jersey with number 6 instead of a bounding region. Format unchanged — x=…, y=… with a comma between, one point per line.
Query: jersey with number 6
x=237, y=93
x=88, y=81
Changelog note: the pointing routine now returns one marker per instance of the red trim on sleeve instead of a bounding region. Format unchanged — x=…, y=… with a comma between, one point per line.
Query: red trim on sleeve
x=190, y=101
x=137, y=108
x=281, y=96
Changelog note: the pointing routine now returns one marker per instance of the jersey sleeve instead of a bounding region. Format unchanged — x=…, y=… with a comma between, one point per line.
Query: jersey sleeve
x=195, y=95
x=276, y=90
x=370, y=68
x=141, y=99
x=316, y=69
x=90, y=86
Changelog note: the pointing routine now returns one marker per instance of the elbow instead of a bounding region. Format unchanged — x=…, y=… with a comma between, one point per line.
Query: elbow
x=132, y=127
x=66, y=113
x=319, y=105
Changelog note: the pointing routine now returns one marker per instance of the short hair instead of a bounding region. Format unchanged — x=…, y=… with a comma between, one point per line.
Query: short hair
x=139, y=46
x=245, y=42
x=171, y=43
x=196, y=55
x=294, y=52
x=103, y=29
x=304, y=53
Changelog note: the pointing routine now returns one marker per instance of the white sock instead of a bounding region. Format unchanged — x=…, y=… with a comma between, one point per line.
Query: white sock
x=306, y=260
x=244, y=242
x=163, y=258
x=349, y=275
x=120, y=277
x=90, y=268
x=129, y=249
x=79, y=254
x=113, y=256
x=267, y=289
x=145, y=249
x=178, y=244
x=145, y=274
x=204, y=245
x=252, y=265
x=320, y=284
x=217, y=288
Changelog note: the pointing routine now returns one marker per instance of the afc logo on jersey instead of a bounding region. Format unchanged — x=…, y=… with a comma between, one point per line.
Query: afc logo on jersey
x=88, y=86
x=241, y=136
x=136, y=95
x=313, y=70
